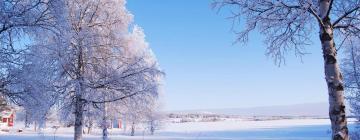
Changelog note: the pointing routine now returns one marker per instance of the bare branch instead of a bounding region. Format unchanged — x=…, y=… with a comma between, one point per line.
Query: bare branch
x=345, y=15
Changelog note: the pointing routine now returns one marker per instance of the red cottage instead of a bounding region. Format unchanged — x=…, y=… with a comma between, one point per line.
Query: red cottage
x=7, y=117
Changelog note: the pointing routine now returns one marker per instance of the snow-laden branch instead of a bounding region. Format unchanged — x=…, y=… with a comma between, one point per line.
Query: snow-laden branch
x=283, y=23
x=345, y=15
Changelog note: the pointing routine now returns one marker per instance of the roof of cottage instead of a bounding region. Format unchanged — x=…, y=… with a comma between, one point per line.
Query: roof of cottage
x=6, y=113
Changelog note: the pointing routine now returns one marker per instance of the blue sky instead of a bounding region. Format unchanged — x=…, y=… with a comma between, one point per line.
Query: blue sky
x=194, y=46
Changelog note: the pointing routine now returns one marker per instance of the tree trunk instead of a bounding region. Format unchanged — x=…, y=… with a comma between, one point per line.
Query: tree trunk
x=105, y=125
x=152, y=127
x=152, y=130
x=27, y=123
x=79, y=111
x=133, y=129
x=35, y=126
x=333, y=76
x=79, y=101
x=105, y=122
x=79, y=119
x=90, y=126
x=105, y=133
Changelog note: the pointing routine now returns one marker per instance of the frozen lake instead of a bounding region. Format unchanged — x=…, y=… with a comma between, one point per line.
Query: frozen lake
x=296, y=129
x=315, y=132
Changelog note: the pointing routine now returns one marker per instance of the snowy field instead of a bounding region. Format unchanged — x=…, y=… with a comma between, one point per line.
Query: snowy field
x=293, y=129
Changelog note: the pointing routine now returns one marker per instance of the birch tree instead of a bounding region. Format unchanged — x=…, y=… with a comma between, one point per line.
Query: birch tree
x=35, y=83
x=135, y=113
x=153, y=117
x=288, y=26
x=351, y=67
x=20, y=21
x=101, y=58
x=17, y=15
x=88, y=53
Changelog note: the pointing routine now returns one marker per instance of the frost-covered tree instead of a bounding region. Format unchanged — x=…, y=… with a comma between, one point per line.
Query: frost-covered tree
x=22, y=15
x=3, y=103
x=84, y=55
x=350, y=67
x=103, y=58
x=154, y=117
x=35, y=83
x=20, y=21
x=288, y=25
x=135, y=114
x=90, y=117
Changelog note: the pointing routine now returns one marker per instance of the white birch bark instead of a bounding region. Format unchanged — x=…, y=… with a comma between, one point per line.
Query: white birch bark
x=79, y=114
x=132, y=129
x=80, y=89
x=333, y=76
x=104, y=122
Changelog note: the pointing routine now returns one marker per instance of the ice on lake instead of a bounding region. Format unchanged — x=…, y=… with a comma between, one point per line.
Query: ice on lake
x=290, y=129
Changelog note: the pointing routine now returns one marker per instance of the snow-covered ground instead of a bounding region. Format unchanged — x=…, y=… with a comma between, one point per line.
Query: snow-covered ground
x=231, y=129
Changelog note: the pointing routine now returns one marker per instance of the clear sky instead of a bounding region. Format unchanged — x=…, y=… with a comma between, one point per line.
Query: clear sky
x=194, y=46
